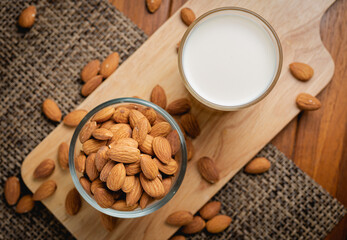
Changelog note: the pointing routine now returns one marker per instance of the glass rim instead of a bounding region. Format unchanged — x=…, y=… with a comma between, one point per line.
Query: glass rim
x=158, y=203
x=277, y=45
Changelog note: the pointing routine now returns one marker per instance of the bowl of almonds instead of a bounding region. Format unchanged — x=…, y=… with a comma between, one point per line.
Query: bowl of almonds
x=127, y=157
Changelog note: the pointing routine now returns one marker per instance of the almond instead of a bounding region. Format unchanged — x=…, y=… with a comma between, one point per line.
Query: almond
x=301, y=71
x=149, y=167
x=190, y=149
x=12, y=190
x=108, y=124
x=135, y=194
x=218, y=223
x=91, y=170
x=178, y=237
x=158, y=96
x=74, y=118
x=87, y=130
x=96, y=184
x=197, y=225
x=162, y=149
x=106, y=170
x=208, y=170
x=120, y=131
x=63, y=155
x=127, y=142
x=129, y=183
x=133, y=168
x=103, y=197
x=147, y=145
x=25, y=204
x=145, y=200
x=153, y=188
x=179, y=106
x=27, y=17
x=174, y=140
x=179, y=218
x=91, y=85
x=153, y=5
x=90, y=70
x=92, y=146
x=121, y=205
x=80, y=162
x=167, y=182
x=73, y=202
x=150, y=114
x=116, y=177
x=161, y=129
x=121, y=115
x=109, y=65
x=140, y=130
x=169, y=169
x=307, y=102
x=135, y=116
x=107, y=221
x=190, y=125
x=209, y=210
x=187, y=16
x=258, y=165
x=51, y=110
x=124, y=154
x=85, y=184
x=102, y=134
x=45, y=190
x=101, y=158
x=104, y=114
x=44, y=169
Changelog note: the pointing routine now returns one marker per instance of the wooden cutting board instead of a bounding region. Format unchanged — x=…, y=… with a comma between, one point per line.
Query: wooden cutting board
x=231, y=138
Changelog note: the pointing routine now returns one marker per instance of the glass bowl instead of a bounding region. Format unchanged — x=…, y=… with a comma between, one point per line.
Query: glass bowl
x=181, y=158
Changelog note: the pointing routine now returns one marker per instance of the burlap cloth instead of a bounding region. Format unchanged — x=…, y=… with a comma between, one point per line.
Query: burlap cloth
x=46, y=61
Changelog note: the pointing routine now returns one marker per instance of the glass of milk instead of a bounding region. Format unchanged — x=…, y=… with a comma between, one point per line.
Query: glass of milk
x=230, y=58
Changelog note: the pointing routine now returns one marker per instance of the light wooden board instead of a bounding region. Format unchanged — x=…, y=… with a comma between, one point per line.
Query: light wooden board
x=233, y=137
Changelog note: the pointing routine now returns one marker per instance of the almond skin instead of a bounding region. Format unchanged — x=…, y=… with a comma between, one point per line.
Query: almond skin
x=147, y=145
x=208, y=170
x=44, y=169
x=104, y=114
x=103, y=197
x=109, y=65
x=121, y=205
x=135, y=116
x=162, y=149
x=124, y=154
x=63, y=155
x=190, y=125
x=108, y=124
x=301, y=71
x=145, y=200
x=80, y=162
x=179, y=106
x=209, y=210
x=150, y=114
x=140, y=130
x=153, y=5
x=128, y=142
x=135, y=194
x=179, y=218
x=91, y=85
x=102, y=134
x=51, y=110
x=107, y=221
x=167, y=182
x=116, y=177
x=87, y=130
x=187, y=16
x=85, y=184
x=129, y=183
x=45, y=190
x=106, y=170
x=73, y=202
x=74, y=118
x=97, y=183
x=218, y=224
x=121, y=115
x=197, y=225
x=307, y=102
x=133, y=168
x=90, y=70
x=91, y=170
x=178, y=237
x=161, y=129
x=25, y=204
x=258, y=165
x=153, y=188
x=27, y=17
x=120, y=131
x=92, y=146
x=158, y=96
x=101, y=158
x=12, y=190
x=169, y=169
x=174, y=140
x=149, y=167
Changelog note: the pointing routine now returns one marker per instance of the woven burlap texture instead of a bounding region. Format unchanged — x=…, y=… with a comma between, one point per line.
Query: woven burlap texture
x=46, y=60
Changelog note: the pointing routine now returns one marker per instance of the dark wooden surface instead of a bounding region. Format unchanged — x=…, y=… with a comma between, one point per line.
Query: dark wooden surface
x=316, y=141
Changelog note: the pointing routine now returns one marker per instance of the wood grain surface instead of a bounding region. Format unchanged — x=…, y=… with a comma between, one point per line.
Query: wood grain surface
x=316, y=141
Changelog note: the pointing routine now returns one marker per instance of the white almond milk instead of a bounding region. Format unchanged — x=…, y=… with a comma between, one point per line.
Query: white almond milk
x=229, y=59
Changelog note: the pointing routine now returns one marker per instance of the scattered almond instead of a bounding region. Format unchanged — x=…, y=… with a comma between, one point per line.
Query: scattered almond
x=218, y=223
x=107, y=221
x=149, y=167
x=121, y=205
x=121, y=115
x=197, y=225
x=209, y=210
x=101, y=158
x=103, y=197
x=87, y=130
x=63, y=155
x=135, y=194
x=85, y=184
x=174, y=140
x=104, y=114
x=301, y=71
x=45, y=190
x=161, y=129
x=158, y=96
x=153, y=5
x=179, y=218
x=162, y=149
x=208, y=170
x=44, y=169
x=106, y=170
x=102, y=134
x=90, y=70
x=109, y=65
x=91, y=170
x=190, y=125
x=25, y=204
x=116, y=177
x=153, y=188
x=80, y=162
x=12, y=190
x=27, y=17
x=307, y=102
x=73, y=202
x=51, y=110
x=258, y=165
x=179, y=106
x=91, y=85
x=74, y=118
x=92, y=146
x=187, y=16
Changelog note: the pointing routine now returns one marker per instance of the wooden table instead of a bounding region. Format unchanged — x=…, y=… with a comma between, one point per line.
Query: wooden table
x=316, y=141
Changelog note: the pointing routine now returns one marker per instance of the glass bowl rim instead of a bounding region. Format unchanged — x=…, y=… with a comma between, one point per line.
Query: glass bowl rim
x=277, y=45
x=156, y=205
